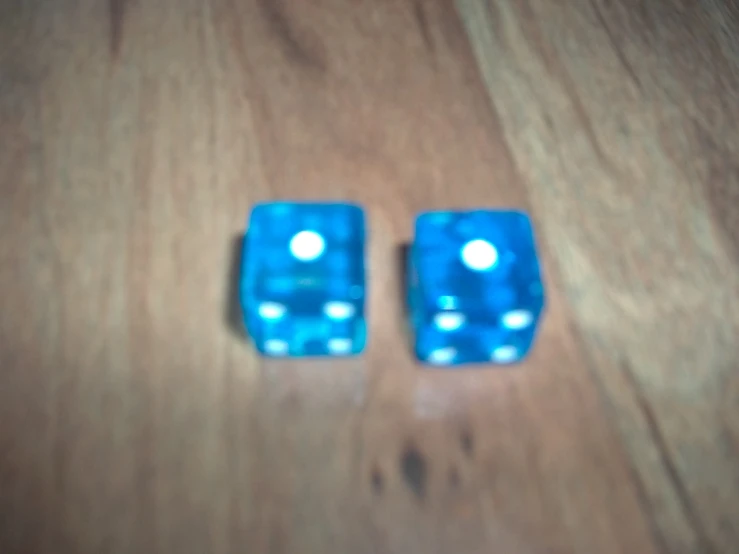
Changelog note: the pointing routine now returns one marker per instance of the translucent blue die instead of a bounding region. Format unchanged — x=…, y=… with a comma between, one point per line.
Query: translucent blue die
x=303, y=279
x=475, y=290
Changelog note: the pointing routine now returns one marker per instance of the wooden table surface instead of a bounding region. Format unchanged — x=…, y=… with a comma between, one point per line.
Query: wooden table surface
x=135, y=136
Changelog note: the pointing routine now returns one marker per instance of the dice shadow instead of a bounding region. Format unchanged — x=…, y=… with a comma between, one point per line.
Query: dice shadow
x=232, y=312
x=401, y=263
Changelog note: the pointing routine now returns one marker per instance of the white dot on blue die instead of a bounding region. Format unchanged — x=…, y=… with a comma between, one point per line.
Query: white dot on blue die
x=442, y=356
x=479, y=255
x=504, y=354
x=338, y=310
x=449, y=321
x=307, y=246
x=276, y=347
x=272, y=310
x=339, y=346
x=517, y=319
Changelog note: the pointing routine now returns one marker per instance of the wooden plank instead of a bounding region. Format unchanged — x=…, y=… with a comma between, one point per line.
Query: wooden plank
x=134, y=417
x=622, y=119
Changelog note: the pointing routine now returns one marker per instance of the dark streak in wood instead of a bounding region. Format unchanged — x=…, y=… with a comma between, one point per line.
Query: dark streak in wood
x=496, y=22
x=423, y=25
x=554, y=66
x=671, y=471
x=457, y=41
x=722, y=186
x=548, y=121
x=642, y=496
x=377, y=480
x=660, y=541
x=467, y=442
x=294, y=46
x=451, y=29
x=730, y=411
x=116, y=17
x=454, y=479
x=623, y=60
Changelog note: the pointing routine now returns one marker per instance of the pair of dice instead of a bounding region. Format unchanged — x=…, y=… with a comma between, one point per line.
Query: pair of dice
x=473, y=281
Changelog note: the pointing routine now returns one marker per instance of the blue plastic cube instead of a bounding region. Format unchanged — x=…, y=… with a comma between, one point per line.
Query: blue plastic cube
x=475, y=290
x=303, y=279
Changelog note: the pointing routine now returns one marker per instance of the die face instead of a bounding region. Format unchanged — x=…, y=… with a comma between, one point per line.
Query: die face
x=303, y=279
x=475, y=291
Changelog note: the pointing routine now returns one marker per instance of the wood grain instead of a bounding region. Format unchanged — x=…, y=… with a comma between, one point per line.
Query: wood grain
x=621, y=117
x=135, y=418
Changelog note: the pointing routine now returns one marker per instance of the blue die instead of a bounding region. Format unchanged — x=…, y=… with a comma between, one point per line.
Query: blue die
x=303, y=279
x=475, y=291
